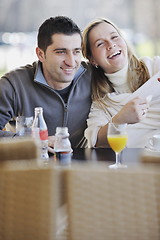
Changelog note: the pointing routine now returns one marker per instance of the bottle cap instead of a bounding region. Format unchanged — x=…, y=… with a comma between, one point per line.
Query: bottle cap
x=62, y=130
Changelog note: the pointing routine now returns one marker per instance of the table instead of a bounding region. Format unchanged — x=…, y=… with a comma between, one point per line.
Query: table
x=128, y=155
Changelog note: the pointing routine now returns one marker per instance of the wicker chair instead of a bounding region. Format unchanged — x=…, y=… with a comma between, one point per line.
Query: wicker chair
x=18, y=148
x=28, y=201
x=105, y=204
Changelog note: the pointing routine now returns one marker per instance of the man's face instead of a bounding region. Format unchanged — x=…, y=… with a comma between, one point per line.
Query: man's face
x=61, y=60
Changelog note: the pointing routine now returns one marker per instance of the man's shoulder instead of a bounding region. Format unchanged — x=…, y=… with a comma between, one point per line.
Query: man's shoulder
x=86, y=69
x=23, y=71
x=86, y=65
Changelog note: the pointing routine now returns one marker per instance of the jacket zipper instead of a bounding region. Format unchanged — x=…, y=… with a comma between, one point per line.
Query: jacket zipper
x=65, y=114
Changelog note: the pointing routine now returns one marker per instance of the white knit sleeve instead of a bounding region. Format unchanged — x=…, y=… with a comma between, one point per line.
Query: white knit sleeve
x=153, y=64
x=97, y=119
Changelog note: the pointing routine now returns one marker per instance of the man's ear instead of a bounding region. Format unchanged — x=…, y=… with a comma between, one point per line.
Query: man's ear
x=40, y=54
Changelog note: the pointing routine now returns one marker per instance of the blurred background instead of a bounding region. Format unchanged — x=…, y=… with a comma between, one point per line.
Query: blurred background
x=20, y=20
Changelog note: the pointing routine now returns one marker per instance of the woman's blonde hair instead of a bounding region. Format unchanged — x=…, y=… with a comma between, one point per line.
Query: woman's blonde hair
x=137, y=71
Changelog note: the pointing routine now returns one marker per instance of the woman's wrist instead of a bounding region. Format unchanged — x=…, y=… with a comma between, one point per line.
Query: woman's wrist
x=112, y=120
x=115, y=120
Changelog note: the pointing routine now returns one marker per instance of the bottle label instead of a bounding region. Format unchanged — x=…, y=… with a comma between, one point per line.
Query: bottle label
x=44, y=149
x=43, y=134
x=63, y=157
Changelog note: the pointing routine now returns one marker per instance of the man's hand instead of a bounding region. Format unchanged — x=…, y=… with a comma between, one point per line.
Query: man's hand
x=51, y=140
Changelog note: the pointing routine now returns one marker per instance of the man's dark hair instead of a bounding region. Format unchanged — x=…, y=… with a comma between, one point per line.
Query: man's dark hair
x=59, y=24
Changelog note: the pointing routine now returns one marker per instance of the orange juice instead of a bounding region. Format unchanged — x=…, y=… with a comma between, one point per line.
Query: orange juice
x=117, y=142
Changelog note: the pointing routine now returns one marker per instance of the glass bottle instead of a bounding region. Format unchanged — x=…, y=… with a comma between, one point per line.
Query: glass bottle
x=39, y=123
x=62, y=146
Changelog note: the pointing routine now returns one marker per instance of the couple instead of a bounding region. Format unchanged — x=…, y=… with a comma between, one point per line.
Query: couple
x=61, y=84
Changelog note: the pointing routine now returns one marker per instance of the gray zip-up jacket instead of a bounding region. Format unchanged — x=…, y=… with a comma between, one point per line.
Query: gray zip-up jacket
x=20, y=93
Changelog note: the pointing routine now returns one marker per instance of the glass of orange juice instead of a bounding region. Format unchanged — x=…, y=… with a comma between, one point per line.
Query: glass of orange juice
x=117, y=139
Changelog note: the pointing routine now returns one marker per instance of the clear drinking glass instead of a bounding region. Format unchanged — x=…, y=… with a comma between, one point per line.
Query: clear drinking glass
x=23, y=126
x=117, y=139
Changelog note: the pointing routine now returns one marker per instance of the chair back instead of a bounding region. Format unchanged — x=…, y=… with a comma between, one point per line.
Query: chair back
x=28, y=201
x=18, y=148
x=113, y=204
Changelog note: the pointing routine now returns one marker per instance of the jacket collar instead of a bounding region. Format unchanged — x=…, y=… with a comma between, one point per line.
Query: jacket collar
x=39, y=77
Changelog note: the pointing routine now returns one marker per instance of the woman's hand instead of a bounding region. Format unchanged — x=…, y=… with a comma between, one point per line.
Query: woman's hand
x=133, y=112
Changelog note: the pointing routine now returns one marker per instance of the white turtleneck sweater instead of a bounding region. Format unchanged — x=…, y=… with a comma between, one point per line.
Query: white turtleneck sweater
x=119, y=80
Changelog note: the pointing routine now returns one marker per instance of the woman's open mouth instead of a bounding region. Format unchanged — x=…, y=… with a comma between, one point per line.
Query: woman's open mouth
x=114, y=54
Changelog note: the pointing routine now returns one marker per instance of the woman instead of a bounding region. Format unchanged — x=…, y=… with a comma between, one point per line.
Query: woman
x=121, y=90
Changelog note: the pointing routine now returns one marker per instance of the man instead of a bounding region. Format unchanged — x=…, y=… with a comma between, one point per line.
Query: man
x=59, y=83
